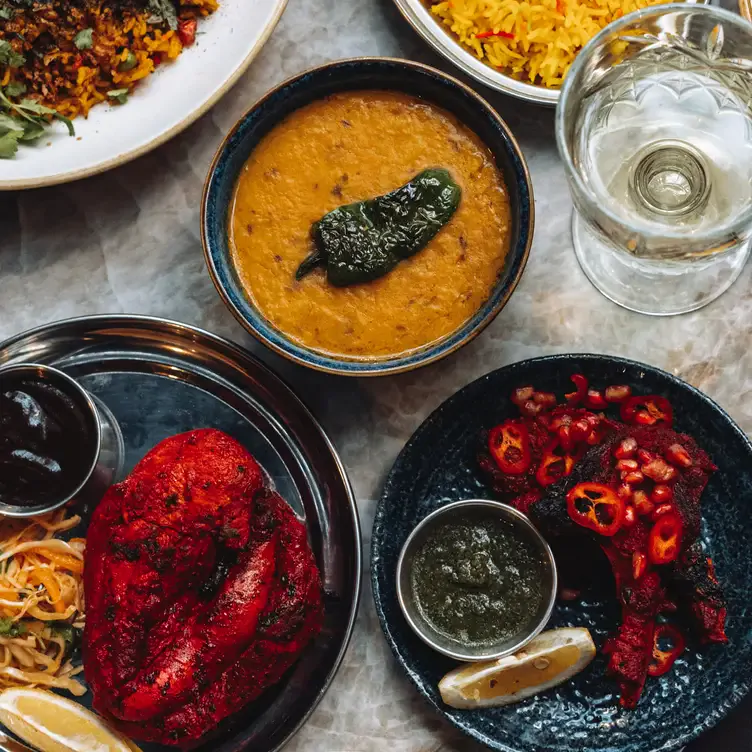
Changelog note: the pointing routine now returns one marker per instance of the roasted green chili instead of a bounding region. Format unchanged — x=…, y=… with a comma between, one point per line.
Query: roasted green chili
x=363, y=241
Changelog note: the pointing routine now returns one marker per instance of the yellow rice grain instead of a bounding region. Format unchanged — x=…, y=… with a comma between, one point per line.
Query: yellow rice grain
x=546, y=35
x=85, y=86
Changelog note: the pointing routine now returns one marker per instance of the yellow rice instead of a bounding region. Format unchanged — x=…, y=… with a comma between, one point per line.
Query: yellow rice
x=72, y=81
x=539, y=40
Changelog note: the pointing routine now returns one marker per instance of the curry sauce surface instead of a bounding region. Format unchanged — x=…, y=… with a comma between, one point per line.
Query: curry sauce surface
x=351, y=147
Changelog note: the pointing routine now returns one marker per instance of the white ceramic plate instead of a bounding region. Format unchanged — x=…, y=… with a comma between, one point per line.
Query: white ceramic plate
x=165, y=103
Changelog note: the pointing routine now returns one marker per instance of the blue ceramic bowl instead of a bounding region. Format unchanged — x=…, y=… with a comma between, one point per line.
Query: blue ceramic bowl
x=439, y=465
x=363, y=73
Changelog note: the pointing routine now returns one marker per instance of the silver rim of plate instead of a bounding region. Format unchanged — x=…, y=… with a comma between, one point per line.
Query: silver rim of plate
x=113, y=351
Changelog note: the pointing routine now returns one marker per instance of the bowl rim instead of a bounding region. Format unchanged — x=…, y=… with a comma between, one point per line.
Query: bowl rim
x=85, y=401
x=368, y=368
x=502, y=511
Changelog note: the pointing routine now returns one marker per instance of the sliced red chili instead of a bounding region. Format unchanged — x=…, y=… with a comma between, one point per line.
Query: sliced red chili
x=509, y=444
x=565, y=437
x=574, y=398
x=487, y=34
x=664, y=542
x=647, y=410
x=557, y=463
x=668, y=645
x=597, y=507
x=187, y=31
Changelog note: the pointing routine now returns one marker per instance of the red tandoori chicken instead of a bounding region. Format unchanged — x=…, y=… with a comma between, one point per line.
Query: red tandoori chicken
x=201, y=590
x=633, y=486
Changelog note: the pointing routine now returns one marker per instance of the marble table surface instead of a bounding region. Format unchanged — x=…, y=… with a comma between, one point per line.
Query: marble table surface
x=128, y=241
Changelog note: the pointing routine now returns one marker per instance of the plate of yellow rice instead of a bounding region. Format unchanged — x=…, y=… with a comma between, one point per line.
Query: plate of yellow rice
x=521, y=47
x=122, y=76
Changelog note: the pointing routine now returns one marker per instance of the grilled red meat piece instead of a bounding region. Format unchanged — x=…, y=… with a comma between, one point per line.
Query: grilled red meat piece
x=691, y=577
x=201, y=590
x=524, y=488
x=631, y=648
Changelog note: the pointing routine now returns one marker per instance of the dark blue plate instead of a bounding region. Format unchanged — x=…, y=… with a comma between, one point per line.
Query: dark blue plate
x=438, y=465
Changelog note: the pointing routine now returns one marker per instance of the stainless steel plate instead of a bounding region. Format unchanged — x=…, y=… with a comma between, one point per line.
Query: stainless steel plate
x=160, y=378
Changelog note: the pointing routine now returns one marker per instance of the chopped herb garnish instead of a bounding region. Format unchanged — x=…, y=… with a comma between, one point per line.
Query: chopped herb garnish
x=118, y=95
x=15, y=89
x=9, y=57
x=84, y=40
x=11, y=132
x=65, y=630
x=24, y=121
x=130, y=62
x=162, y=11
x=10, y=628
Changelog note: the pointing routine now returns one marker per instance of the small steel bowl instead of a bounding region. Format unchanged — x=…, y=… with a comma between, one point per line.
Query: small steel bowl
x=442, y=643
x=105, y=463
x=383, y=74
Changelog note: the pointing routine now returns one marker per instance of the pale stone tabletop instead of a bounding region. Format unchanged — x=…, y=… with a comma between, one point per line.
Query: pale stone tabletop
x=128, y=241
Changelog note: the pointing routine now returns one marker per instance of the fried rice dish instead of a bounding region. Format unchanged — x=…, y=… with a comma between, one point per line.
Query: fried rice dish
x=69, y=55
x=534, y=42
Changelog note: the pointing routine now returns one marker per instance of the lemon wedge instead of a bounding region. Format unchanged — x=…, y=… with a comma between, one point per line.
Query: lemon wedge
x=549, y=659
x=53, y=724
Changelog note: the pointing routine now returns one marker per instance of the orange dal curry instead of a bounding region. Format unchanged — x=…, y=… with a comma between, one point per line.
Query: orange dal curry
x=351, y=147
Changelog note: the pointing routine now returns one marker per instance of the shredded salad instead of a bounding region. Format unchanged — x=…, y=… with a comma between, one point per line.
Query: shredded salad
x=41, y=601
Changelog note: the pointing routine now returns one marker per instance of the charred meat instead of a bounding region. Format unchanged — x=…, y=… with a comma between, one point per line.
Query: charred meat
x=201, y=590
x=633, y=487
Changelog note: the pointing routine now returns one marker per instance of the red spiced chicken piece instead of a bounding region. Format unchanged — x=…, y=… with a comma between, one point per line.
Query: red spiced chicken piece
x=201, y=590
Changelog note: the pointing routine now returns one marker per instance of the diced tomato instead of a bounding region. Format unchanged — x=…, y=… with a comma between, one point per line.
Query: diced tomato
x=187, y=32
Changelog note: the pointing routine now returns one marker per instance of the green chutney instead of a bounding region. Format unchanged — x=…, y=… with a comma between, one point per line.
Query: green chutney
x=477, y=580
